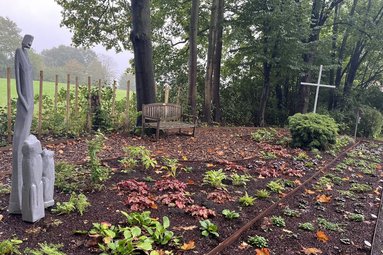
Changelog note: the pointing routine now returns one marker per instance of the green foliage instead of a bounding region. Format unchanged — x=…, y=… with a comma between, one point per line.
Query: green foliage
x=329, y=225
x=302, y=156
x=371, y=123
x=139, y=234
x=230, y=214
x=246, y=200
x=312, y=130
x=278, y=221
x=258, y=241
x=69, y=177
x=10, y=247
x=45, y=249
x=355, y=217
x=215, y=178
x=208, y=228
x=136, y=153
x=308, y=226
x=264, y=135
x=262, y=193
x=240, y=179
x=291, y=212
x=76, y=202
x=98, y=172
x=276, y=186
x=5, y=188
x=171, y=166
x=323, y=183
x=360, y=187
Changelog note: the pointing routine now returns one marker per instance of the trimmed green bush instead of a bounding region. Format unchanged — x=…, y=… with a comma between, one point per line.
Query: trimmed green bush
x=371, y=122
x=312, y=130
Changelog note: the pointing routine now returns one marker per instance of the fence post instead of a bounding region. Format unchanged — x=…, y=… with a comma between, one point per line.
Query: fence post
x=40, y=103
x=67, y=101
x=114, y=97
x=89, y=117
x=56, y=91
x=9, y=104
x=127, y=102
x=76, y=96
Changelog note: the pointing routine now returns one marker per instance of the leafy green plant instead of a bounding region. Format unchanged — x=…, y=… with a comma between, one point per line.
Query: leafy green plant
x=262, y=193
x=208, y=228
x=276, y=186
x=347, y=194
x=312, y=130
x=268, y=155
x=215, y=178
x=240, y=179
x=308, y=226
x=10, y=247
x=5, y=188
x=355, y=217
x=134, y=154
x=323, y=183
x=291, y=212
x=246, y=200
x=98, y=172
x=230, y=214
x=360, y=187
x=258, y=241
x=69, y=177
x=171, y=166
x=302, y=156
x=76, y=202
x=159, y=231
x=264, y=135
x=371, y=122
x=46, y=249
x=329, y=225
x=278, y=221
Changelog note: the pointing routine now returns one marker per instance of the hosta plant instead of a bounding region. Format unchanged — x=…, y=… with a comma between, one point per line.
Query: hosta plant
x=240, y=179
x=246, y=200
x=215, y=178
x=258, y=241
x=278, y=221
x=230, y=214
x=208, y=228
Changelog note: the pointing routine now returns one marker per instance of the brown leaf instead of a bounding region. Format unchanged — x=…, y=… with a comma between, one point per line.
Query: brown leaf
x=323, y=198
x=244, y=246
x=1, y=217
x=188, y=246
x=311, y=251
x=190, y=182
x=185, y=227
x=263, y=251
x=310, y=192
x=209, y=165
x=220, y=153
x=321, y=236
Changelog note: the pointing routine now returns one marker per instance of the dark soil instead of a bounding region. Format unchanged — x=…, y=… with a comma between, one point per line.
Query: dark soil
x=232, y=150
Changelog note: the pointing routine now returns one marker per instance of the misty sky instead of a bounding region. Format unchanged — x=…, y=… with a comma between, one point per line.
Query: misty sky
x=41, y=18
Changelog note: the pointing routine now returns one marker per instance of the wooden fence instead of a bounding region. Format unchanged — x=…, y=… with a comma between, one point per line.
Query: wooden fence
x=67, y=113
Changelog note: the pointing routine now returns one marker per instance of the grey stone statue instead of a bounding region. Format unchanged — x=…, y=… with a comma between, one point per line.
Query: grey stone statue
x=48, y=177
x=33, y=189
x=24, y=86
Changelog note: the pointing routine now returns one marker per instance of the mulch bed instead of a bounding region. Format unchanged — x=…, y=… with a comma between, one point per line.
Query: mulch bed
x=232, y=150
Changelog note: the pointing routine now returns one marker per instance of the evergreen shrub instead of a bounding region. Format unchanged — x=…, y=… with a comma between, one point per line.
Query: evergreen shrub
x=312, y=130
x=371, y=122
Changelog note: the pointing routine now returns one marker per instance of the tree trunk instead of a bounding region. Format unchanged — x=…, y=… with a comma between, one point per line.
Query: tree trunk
x=217, y=113
x=210, y=59
x=332, y=99
x=193, y=57
x=143, y=53
x=265, y=92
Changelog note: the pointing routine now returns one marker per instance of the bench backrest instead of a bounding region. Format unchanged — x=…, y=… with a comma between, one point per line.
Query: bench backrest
x=166, y=112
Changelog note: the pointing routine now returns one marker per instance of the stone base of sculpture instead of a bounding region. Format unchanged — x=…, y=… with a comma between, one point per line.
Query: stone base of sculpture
x=48, y=177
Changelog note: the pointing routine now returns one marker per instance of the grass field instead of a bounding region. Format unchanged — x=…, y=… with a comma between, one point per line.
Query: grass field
x=48, y=89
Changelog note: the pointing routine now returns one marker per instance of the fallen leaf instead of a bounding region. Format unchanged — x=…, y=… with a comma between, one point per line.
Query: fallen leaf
x=209, y=165
x=297, y=182
x=244, y=246
x=60, y=151
x=188, y=246
x=107, y=239
x=185, y=227
x=190, y=182
x=263, y=251
x=321, y=236
x=1, y=217
x=323, y=198
x=154, y=206
x=220, y=153
x=310, y=192
x=311, y=251
x=184, y=158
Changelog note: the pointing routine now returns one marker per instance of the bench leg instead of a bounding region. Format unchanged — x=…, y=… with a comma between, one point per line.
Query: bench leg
x=158, y=131
x=193, y=131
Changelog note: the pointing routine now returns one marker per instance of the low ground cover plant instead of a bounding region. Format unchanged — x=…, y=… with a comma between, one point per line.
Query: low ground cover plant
x=246, y=200
x=214, y=178
x=208, y=228
x=258, y=241
x=230, y=214
x=45, y=249
x=76, y=202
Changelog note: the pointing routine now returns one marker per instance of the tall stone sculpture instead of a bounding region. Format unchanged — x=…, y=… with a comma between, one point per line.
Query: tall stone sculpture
x=48, y=177
x=24, y=86
x=32, y=190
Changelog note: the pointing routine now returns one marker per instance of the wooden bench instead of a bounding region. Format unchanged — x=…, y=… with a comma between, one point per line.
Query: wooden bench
x=162, y=116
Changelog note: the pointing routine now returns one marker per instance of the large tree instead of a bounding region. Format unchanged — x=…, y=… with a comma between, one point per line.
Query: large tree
x=110, y=23
x=10, y=39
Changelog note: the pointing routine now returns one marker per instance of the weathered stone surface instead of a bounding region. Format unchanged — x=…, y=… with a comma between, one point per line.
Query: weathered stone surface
x=32, y=191
x=48, y=177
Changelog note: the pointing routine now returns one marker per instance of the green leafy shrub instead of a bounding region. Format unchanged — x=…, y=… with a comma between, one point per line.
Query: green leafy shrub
x=45, y=249
x=98, y=173
x=208, y=228
x=69, y=177
x=312, y=130
x=258, y=241
x=371, y=123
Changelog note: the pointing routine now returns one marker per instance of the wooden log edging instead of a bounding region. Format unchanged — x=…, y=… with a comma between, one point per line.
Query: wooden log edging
x=231, y=239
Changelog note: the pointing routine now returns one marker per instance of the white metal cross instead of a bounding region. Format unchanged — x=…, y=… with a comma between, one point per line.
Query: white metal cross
x=318, y=85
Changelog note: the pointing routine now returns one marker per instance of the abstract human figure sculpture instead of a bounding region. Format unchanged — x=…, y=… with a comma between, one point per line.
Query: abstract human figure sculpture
x=24, y=86
x=32, y=191
x=48, y=177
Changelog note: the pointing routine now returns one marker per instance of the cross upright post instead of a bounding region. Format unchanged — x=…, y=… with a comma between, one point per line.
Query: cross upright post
x=318, y=85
